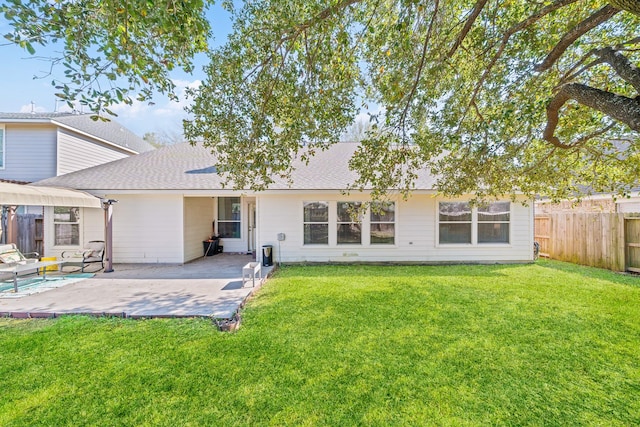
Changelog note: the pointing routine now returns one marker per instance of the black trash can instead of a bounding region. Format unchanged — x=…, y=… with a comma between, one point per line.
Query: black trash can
x=267, y=255
x=210, y=247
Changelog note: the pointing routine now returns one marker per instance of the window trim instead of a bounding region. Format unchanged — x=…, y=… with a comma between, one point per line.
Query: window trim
x=338, y=223
x=78, y=222
x=239, y=221
x=474, y=227
x=471, y=224
x=395, y=228
x=478, y=222
x=327, y=222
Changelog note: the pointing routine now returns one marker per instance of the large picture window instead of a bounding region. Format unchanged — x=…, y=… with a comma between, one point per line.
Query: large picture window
x=229, y=217
x=349, y=224
x=66, y=223
x=493, y=222
x=382, y=221
x=316, y=223
x=455, y=219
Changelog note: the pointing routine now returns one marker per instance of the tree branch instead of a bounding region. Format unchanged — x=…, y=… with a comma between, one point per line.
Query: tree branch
x=622, y=109
x=510, y=32
x=632, y=6
x=477, y=8
x=576, y=32
x=627, y=71
x=572, y=73
x=295, y=32
x=423, y=58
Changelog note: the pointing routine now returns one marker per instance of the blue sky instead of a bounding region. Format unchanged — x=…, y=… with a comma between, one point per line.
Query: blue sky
x=20, y=89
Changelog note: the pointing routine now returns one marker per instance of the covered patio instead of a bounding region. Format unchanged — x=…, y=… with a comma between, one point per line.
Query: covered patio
x=207, y=287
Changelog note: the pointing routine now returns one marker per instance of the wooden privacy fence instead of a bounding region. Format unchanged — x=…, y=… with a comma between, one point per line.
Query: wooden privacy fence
x=30, y=233
x=606, y=240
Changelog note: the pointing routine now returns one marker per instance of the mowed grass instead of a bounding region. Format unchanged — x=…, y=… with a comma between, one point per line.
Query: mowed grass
x=543, y=344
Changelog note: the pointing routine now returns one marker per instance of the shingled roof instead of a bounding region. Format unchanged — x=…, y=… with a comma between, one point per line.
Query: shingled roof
x=109, y=131
x=186, y=167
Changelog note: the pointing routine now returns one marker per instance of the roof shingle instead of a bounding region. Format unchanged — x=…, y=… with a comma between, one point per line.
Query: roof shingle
x=186, y=167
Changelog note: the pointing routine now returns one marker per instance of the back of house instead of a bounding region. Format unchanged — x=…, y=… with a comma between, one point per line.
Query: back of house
x=172, y=199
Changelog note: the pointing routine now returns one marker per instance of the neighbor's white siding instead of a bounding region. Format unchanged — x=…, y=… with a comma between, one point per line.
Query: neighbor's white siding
x=30, y=152
x=416, y=234
x=198, y=225
x=148, y=229
x=628, y=206
x=76, y=152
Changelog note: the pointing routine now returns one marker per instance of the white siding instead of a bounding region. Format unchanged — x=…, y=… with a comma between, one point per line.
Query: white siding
x=30, y=152
x=630, y=206
x=416, y=225
x=77, y=152
x=198, y=225
x=146, y=229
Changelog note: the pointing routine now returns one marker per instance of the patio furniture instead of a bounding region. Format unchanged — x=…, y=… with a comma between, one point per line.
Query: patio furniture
x=250, y=271
x=92, y=253
x=13, y=262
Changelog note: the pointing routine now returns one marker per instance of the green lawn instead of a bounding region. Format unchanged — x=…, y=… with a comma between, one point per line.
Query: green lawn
x=543, y=344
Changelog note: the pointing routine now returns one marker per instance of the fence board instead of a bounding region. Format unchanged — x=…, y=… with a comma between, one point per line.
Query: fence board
x=27, y=241
x=632, y=238
x=588, y=238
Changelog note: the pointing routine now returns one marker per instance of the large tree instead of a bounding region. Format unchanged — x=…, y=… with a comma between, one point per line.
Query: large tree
x=494, y=97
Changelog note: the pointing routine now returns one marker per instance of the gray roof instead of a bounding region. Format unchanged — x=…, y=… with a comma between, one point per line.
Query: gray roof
x=110, y=131
x=186, y=167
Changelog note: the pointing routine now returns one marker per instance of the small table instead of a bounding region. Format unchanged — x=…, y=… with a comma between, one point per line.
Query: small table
x=21, y=268
x=250, y=271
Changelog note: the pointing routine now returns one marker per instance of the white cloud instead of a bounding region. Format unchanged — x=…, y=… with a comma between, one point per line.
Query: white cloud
x=32, y=108
x=160, y=116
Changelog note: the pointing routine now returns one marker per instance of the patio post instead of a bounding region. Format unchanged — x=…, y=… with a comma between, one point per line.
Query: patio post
x=108, y=232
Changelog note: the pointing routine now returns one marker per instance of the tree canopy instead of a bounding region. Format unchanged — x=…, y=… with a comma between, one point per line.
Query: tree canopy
x=112, y=51
x=540, y=97
x=493, y=97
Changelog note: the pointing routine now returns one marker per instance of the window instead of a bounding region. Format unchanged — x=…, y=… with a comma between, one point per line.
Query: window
x=316, y=223
x=454, y=222
x=2, y=144
x=382, y=220
x=66, y=222
x=459, y=223
x=229, y=217
x=493, y=223
x=349, y=224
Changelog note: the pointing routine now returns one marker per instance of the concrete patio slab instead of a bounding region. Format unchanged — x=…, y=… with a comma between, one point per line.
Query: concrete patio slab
x=210, y=286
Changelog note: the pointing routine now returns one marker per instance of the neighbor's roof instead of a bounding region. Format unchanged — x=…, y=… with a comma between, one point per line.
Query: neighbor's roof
x=186, y=167
x=109, y=131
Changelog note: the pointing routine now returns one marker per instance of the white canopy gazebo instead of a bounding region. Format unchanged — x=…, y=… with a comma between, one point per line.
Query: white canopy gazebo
x=13, y=195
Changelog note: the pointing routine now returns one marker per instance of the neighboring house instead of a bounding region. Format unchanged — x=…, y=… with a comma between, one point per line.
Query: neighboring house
x=605, y=203
x=42, y=145
x=172, y=199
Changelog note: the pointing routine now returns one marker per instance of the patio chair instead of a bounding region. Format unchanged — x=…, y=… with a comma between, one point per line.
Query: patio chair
x=92, y=253
x=11, y=255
